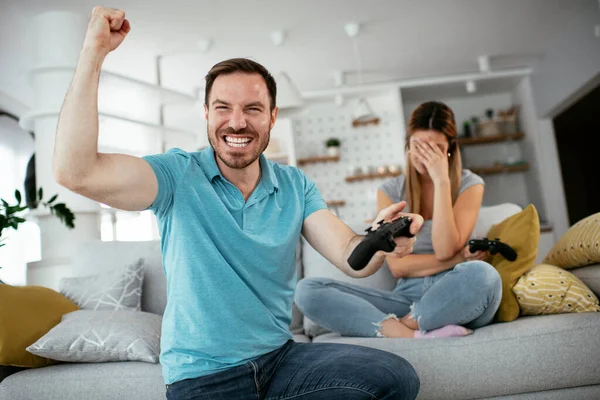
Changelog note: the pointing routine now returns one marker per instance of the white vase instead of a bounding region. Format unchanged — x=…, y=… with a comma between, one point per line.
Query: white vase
x=333, y=151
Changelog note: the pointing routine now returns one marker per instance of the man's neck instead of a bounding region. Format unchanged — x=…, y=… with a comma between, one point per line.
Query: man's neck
x=245, y=179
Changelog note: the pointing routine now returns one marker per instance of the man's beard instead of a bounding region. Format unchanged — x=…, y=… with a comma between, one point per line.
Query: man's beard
x=238, y=160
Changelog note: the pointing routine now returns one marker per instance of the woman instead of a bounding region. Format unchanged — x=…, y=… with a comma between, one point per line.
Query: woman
x=443, y=289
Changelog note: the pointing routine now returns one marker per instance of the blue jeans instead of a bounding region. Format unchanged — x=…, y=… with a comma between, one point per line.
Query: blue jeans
x=468, y=295
x=308, y=371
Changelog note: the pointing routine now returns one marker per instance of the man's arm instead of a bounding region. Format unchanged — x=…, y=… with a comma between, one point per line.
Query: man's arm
x=335, y=241
x=118, y=180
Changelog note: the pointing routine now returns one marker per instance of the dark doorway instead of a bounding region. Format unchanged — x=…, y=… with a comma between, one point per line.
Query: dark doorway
x=577, y=131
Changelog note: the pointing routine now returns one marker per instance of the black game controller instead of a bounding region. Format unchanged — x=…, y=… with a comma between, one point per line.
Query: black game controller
x=493, y=246
x=381, y=238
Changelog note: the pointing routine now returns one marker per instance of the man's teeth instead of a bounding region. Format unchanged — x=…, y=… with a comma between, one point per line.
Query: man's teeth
x=237, y=142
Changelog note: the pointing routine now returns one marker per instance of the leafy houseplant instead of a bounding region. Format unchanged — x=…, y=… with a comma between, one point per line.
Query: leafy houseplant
x=333, y=146
x=9, y=215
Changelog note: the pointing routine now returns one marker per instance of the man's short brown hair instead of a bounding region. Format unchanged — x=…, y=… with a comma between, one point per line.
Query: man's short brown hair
x=242, y=65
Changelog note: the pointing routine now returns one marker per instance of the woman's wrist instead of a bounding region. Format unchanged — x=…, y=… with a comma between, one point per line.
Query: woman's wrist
x=440, y=182
x=460, y=258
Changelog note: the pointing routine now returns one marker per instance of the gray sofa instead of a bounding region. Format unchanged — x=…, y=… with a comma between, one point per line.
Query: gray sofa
x=545, y=357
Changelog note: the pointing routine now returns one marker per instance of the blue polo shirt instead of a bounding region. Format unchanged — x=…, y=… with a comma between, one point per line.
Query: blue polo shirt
x=229, y=263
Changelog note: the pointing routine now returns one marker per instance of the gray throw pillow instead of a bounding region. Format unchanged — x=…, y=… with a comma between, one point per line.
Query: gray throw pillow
x=116, y=289
x=102, y=336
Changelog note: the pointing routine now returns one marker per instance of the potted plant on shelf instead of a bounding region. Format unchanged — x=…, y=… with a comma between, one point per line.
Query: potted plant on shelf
x=333, y=146
x=12, y=215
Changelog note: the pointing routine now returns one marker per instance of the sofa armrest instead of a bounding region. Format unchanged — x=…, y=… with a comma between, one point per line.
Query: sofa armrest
x=590, y=275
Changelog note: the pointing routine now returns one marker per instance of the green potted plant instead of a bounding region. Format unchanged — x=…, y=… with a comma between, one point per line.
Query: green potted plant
x=11, y=216
x=333, y=146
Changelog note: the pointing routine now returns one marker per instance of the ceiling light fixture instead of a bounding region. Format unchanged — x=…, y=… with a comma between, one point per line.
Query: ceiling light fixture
x=278, y=37
x=204, y=45
x=471, y=87
x=363, y=114
x=339, y=81
x=484, y=63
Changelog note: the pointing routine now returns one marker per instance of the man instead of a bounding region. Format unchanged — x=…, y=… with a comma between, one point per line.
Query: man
x=230, y=221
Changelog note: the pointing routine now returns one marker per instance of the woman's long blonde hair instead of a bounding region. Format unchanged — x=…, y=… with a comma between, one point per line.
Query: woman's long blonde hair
x=436, y=116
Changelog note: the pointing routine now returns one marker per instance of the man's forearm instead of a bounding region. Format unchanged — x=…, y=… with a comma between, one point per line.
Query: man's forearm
x=373, y=265
x=76, y=146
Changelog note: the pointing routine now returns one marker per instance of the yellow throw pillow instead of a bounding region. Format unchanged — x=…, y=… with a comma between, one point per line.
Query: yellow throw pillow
x=522, y=233
x=547, y=289
x=579, y=246
x=26, y=314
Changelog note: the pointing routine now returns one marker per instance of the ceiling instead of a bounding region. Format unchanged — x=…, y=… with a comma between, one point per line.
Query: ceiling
x=399, y=39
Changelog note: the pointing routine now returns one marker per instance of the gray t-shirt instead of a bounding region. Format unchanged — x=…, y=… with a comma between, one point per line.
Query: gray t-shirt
x=394, y=189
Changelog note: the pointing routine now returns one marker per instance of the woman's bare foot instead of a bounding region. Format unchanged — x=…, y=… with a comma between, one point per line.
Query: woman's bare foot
x=410, y=322
x=393, y=328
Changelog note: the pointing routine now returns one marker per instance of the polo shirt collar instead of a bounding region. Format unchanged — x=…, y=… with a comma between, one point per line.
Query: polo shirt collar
x=211, y=169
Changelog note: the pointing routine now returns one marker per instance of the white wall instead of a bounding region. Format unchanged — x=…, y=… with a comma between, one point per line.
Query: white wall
x=553, y=188
x=16, y=147
x=571, y=63
x=15, y=55
x=531, y=146
x=367, y=146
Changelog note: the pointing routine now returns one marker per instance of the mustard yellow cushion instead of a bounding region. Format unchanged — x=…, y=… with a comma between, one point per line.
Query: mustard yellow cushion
x=522, y=233
x=26, y=314
x=579, y=246
x=547, y=289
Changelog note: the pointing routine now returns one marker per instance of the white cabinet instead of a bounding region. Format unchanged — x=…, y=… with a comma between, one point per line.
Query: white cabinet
x=281, y=146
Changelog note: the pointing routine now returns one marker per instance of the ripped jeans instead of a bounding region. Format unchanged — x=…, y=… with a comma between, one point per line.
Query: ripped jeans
x=468, y=295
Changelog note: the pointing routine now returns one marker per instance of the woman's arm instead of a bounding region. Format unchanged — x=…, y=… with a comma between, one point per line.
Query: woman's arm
x=451, y=225
x=415, y=265
x=420, y=265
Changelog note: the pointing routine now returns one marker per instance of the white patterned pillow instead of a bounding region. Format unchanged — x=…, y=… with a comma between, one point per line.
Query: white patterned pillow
x=116, y=289
x=102, y=336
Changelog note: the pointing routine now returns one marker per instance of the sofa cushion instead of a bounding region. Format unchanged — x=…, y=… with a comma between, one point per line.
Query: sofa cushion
x=94, y=257
x=546, y=289
x=579, y=246
x=492, y=215
x=527, y=355
x=113, y=289
x=132, y=380
x=590, y=275
x=521, y=232
x=26, y=314
x=297, y=325
x=101, y=336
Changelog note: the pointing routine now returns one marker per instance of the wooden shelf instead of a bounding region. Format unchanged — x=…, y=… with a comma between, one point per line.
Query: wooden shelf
x=546, y=228
x=318, y=159
x=277, y=156
x=490, y=139
x=335, y=203
x=356, y=178
x=499, y=169
x=357, y=123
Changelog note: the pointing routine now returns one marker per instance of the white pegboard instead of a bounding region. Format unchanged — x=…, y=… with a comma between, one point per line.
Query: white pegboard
x=368, y=146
